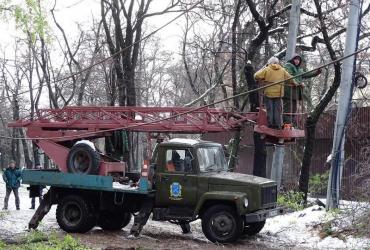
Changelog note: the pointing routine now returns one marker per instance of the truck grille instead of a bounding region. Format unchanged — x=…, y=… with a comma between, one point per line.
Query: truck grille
x=268, y=195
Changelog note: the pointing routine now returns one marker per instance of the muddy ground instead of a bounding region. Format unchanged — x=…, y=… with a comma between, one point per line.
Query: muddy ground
x=155, y=235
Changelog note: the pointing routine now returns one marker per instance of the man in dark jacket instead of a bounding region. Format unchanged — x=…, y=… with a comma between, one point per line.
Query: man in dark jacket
x=12, y=178
x=293, y=94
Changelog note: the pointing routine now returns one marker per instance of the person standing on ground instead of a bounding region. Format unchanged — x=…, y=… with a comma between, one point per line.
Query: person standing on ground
x=37, y=189
x=273, y=72
x=12, y=178
x=295, y=93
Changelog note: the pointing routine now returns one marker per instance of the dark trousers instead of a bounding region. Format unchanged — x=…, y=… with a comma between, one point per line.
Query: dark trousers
x=274, y=112
x=6, y=199
x=36, y=192
x=33, y=201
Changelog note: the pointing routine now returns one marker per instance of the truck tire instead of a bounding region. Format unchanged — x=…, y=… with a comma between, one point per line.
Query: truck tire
x=82, y=159
x=75, y=214
x=221, y=223
x=113, y=221
x=253, y=228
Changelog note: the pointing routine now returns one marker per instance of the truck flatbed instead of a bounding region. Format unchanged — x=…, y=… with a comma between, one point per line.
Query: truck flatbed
x=56, y=178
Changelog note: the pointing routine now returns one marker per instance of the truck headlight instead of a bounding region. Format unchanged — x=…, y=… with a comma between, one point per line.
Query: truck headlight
x=246, y=203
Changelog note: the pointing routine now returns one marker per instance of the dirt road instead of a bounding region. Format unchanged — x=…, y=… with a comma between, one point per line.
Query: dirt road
x=155, y=235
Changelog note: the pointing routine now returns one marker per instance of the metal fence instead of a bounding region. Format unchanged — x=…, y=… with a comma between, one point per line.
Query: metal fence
x=356, y=174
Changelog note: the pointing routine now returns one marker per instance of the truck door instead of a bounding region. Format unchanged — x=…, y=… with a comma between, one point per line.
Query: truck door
x=177, y=183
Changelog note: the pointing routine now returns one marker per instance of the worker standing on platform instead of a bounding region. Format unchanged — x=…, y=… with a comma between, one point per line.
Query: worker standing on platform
x=295, y=93
x=273, y=72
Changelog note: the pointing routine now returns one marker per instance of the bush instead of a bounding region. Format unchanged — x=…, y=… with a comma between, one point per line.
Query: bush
x=318, y=184
x=2, y=215
x=70, y=243
x=2, y=245
x=36, y=236
x=291, y=200
x=40, y=241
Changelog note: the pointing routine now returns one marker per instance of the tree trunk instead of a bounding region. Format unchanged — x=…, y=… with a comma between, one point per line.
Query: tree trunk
x=233, y=53
x=314, y=116
x=233, y=160
x=236, y=139
x=26, y=152
x=16, y=155
x=46, y=162
x=36, y=155
x=259, y=163
x=128, y=80
x=310, y=126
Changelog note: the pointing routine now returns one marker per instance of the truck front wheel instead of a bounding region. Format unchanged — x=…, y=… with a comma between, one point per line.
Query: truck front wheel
x=253, y=228
x=113, y=220
x=75, y=214
x=221, y=223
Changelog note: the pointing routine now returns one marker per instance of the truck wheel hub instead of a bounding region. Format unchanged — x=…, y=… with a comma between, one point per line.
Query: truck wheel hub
x=222, y=224
x=72, y=214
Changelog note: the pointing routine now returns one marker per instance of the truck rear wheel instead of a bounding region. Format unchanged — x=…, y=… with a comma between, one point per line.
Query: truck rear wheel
x=221, y=223
x=75, y=214
x=113, y=220
x=253, y=228
x=83, y=159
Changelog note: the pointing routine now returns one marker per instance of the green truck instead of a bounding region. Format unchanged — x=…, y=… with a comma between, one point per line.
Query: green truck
x=186, y=180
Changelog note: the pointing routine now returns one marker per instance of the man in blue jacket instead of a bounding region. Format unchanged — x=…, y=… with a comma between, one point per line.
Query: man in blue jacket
x=12, y=178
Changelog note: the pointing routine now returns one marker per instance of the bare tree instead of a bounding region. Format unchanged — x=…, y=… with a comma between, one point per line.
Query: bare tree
x=80, y=80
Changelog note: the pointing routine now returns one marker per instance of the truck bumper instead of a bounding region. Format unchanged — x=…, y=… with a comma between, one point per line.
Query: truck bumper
x=263, y=214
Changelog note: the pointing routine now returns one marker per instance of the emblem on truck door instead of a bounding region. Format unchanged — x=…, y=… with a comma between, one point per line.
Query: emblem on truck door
x=175, y=191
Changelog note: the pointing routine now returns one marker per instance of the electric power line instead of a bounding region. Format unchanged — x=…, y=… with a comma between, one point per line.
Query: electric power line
x=195, y=109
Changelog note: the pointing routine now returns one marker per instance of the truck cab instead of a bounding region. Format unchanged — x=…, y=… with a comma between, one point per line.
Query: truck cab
x=192, y=181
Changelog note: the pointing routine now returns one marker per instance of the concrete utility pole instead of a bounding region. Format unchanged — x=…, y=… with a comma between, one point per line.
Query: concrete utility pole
x=345, y=97
x=279, y=152
x=294, y=16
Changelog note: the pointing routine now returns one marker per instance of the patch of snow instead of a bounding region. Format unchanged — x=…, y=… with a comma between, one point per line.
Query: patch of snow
x=184, y=140
x=329, y=158
x=123, y=187
x=297, y=229
x=87, y=142
x=291, y=231
x=15, y=222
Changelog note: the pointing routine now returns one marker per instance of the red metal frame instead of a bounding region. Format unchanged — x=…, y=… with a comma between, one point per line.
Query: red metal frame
x=51, y=126
x=74, y=122
x=59, y=155
x=139, y=119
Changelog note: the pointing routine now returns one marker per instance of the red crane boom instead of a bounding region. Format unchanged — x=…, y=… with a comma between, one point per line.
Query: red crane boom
x=51, y=129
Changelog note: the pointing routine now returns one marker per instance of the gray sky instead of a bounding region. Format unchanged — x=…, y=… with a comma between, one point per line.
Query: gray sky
x=71, y=12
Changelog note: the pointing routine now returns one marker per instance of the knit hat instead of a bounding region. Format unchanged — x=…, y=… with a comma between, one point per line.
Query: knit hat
x=12, y=161
x=296, y=56
x=273, y=60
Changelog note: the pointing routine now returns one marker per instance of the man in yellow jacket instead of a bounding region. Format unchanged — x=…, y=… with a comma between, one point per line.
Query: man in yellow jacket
x=273, y=72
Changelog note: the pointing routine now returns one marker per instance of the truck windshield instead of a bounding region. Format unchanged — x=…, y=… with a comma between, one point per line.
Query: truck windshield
x=211, y=159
